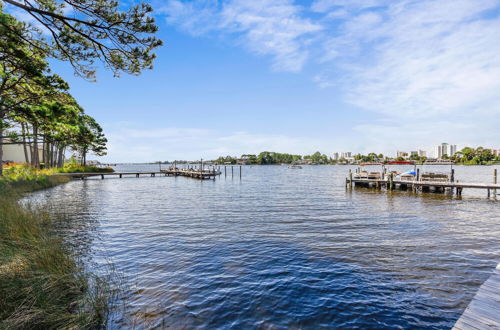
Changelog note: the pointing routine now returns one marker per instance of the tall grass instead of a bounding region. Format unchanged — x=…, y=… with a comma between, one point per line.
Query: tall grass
x=42, y=285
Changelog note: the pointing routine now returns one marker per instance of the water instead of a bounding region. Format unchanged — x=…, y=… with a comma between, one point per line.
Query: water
x=283, y=248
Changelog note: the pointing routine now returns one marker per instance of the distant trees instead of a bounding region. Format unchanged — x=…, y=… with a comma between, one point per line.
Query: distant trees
x=471, y=156
x=273, y=158
x=269, y=158
x=371, y=157
x=227, y=160
x=318, y=158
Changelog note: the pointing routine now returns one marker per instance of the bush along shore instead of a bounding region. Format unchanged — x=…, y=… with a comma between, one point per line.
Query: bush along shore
x=42, y=283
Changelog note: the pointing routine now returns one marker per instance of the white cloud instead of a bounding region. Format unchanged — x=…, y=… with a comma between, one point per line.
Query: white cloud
x=132, y=144
x=420, y=58
x=429, y=68
x=323, y=6
x=265, y=27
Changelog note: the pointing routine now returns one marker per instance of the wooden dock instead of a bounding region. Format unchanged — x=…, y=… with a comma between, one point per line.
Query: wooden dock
x=439, y=183
x=483, y=311
x=83, y=176
x=191, y=173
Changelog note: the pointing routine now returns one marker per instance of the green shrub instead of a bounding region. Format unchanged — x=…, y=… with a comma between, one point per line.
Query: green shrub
x=42, y=285
x=76, y=168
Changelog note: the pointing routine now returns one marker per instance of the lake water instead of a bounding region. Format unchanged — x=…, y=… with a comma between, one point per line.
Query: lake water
x=282, y=248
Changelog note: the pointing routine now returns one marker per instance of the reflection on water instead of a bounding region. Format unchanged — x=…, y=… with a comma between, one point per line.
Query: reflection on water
x=283, y=249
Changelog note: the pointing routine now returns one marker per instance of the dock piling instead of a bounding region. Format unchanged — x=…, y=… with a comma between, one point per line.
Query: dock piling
x=495, y=181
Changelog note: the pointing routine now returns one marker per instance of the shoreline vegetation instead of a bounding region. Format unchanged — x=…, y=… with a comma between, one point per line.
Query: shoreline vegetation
x=42, y=282
x=466, y=156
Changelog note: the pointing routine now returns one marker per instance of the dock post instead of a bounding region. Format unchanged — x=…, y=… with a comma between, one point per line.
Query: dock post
x=232, y=171
x=495, y=181
x=488, y=193
x=240, y=172
x=391, y=181
x=225, y=173
x=452, y=178
x=350, y=178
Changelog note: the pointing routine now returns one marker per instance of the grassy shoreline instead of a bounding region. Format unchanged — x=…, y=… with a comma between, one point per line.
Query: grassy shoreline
x=42, y=284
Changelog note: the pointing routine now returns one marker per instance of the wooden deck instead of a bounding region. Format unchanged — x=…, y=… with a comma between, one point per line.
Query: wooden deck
x=483, y=311
x=83, y=176
x=193, y=173
x=437, y=186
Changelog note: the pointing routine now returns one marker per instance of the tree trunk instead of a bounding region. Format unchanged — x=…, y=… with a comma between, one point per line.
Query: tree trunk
x=36, y=155
x=30, y=146
x=26, y=158
x=44, y=150
x=2, y=115
x=60, y=158
x=53, y=155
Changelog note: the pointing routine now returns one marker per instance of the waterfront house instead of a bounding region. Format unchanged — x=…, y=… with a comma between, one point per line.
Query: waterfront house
x=14, y=152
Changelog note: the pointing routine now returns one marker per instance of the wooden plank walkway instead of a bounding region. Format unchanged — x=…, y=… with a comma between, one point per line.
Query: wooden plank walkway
x=192, y=173
x=422, y=185
x=483, y=311
x=433, y=183
x=104, y=174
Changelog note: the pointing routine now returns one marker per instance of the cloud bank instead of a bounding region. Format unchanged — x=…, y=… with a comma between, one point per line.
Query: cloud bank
x=129, y=144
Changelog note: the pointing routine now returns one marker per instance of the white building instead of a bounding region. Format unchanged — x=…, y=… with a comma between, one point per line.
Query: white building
x=14, y=153
x=346, y=155
x=402, y=154
x=422, y=153
x=445, y=149
x=336, y=156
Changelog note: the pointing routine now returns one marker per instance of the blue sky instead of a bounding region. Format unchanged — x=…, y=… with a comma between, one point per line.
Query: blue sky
x=239, y=76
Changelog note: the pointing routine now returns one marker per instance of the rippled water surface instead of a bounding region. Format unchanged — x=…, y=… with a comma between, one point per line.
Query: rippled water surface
x=283, y=248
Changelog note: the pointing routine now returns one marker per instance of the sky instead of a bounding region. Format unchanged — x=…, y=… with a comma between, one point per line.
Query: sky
x=238, y=76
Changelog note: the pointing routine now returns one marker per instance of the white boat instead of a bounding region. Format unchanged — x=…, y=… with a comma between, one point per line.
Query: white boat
x=295, y=166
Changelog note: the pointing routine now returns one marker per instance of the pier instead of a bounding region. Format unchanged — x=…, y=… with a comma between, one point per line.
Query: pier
x=191, y=173
x=426, y=182
x=208, y=172
x=483, y=311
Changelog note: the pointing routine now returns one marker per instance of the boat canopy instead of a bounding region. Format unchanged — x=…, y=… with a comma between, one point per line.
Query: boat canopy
x=401, y=162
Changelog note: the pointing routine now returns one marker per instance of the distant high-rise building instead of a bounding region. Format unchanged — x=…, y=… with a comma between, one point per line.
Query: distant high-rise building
x=422, y=153
x=336, y=156
x=452, y=149
x=346, y=155
x=445, y=149
x=402, y=154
